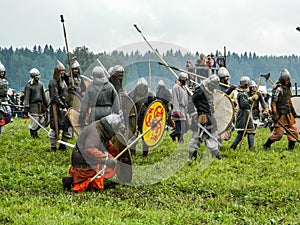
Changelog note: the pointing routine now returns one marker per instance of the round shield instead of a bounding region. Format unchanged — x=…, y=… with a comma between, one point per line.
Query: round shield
x=155, y=112
x=74, y=101
x=124, y=171
x=296, y=103
x=224, y=111
x=47, y=113
x=298, y=124
x=130, y=114
x=73, y=116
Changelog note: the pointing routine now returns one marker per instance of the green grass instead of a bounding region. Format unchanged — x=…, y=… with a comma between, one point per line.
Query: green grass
x=246, y=187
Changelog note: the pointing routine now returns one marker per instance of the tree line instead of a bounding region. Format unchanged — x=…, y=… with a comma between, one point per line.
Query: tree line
x=19, y=61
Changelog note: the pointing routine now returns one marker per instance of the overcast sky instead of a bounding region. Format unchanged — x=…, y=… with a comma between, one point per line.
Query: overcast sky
x=265, y=27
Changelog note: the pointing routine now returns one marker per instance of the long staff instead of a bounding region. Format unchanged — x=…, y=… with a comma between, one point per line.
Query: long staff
x=251, y=108
x=67, y=48
x=159, y=56
x=196, y=75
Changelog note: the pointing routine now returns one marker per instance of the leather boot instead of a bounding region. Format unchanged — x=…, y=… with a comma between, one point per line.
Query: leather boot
x=193, y=154
x=62, y=147
x=173, y=136
x=233, y=146
x=268, y=144
x=32, y=133
x=133, y=152
x=35, y=134
x=180, y=138
x=291, y=145
x=145, y=153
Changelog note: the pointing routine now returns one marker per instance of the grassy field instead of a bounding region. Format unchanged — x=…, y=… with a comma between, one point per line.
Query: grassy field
x=245, y=187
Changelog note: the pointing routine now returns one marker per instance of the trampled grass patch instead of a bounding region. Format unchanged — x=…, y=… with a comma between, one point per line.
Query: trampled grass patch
x=246, y=187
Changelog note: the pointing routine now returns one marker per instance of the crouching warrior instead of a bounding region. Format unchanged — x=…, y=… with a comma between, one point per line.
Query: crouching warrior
x=283, y=112
x=204, y=103
x=93, y=151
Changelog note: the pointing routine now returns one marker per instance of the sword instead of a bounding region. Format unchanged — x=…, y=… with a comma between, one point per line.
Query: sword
x=40, y=125
x=66, y=143
x=209, y=134
x=87, y=78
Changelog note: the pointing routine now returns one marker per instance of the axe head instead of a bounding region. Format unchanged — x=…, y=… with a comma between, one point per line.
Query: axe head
x=266, y=76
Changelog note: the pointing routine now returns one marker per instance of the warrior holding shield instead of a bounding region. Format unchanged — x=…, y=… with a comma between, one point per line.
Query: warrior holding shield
x=203, y=99
x=58, y=90
x=142, y=98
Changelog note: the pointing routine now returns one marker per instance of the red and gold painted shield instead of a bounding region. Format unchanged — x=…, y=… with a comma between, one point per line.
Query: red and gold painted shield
x=155, y=112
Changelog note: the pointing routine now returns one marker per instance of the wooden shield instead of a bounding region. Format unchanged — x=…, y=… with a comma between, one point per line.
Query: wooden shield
x=74, y=101
x=130, y=114
x=224, y=111
x=296, y=103
x=124, y=171
x=73, y=116
x=155, y=111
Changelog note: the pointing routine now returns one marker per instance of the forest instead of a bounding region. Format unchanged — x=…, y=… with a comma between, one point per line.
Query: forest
x=19, y=61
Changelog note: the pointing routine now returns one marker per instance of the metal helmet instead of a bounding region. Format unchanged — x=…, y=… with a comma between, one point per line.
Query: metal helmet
x=119, y=69
x=2, y=68
x=75, y=64
x=245, y=80
x=284, y=75
x=183, y=76
x=252, y=83
x=141, y=81
x=213, y=80
x=99, y=75
x=110, y=70
x=111, y=124
x=160, y=83
x=59, y=66
x=34, y=72
x=98, y=72
x=223, y=72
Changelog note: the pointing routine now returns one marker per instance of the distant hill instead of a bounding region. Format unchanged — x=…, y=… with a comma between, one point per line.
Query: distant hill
x=143, y=47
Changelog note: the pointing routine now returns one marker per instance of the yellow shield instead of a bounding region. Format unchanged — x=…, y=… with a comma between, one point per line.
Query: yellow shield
x=155, y=112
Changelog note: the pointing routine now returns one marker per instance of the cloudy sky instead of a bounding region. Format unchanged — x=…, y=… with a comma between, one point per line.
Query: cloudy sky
x=266, y=27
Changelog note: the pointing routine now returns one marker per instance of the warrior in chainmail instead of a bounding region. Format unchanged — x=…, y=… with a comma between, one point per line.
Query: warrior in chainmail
x=92, y=151
x=116, y=77
x=142, y=97
x=244, y=102
x=58, y=90
x=5, y=110
x=100, y=99
x=283, y=111
x=204, y=103
x=35, y=101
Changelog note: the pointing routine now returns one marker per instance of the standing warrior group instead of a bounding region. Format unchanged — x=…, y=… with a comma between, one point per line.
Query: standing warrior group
x=100, y=114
